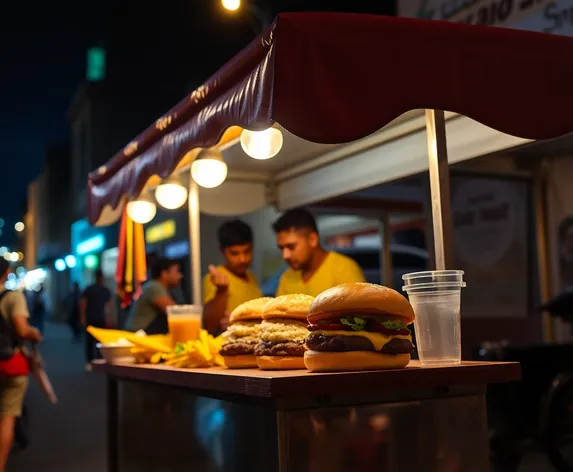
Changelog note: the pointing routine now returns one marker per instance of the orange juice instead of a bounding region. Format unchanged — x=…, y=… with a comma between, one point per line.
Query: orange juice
x=184, y=322
x=184, y=328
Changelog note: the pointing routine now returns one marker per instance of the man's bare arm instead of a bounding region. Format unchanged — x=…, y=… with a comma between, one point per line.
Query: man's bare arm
x=214, y=311
x=163, y=302
x=24, y=331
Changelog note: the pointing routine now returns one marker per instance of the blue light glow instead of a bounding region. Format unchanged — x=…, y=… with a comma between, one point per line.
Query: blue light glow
x=60, y=265
x=70, y=261
x=92, y=244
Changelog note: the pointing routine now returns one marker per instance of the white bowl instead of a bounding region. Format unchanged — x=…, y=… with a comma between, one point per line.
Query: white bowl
x=115, y=354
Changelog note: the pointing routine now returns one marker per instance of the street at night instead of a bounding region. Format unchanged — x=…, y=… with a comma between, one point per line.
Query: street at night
x=286, y=236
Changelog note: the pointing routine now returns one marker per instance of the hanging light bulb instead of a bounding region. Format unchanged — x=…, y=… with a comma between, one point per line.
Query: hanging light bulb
x=142, y=210
x=231, y=5
x=171, y=193
x=209, y=169
x=262, y=145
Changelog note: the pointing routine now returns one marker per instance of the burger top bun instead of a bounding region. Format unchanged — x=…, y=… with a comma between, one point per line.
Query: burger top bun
x=251, y=310
x=293, y=306
x=355, y=298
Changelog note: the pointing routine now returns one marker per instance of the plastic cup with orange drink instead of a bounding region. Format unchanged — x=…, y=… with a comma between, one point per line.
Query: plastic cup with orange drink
x=184, y=322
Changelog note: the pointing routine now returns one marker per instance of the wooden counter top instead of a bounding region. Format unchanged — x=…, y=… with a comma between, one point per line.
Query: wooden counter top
x=283, y=384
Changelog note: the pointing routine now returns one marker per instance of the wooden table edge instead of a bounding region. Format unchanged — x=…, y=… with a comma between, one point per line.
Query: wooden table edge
x=281, y=384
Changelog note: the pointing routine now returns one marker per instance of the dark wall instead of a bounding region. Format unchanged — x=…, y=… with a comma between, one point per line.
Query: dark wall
x=58, y=193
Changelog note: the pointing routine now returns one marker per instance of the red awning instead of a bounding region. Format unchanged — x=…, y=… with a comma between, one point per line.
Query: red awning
x=335, y=78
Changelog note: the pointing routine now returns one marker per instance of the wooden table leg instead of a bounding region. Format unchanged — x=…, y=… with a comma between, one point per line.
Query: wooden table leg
x=112, y=425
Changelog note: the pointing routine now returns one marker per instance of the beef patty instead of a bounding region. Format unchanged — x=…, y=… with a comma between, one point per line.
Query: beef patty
x=267, y=348
x=237, y=349
x=339, y=343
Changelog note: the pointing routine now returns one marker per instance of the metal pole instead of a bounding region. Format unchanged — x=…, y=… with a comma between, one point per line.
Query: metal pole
x=543, y=249
x=428, y=228
x=195, y=240
x=439, y=188
x=385, y=251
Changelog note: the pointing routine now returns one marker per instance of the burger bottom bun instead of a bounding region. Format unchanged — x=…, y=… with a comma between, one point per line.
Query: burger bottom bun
x=320, y=361
x=280, y=362
x=244, y=361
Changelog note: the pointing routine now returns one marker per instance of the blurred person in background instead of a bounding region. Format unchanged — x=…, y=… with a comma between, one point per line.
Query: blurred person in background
x=149, y=312
x=74, y=312
x=312, y=268
x=38, y=309
x=14, y=368
x=121, y=311
x=227, y=286
x=95, y=310
x=176, y=293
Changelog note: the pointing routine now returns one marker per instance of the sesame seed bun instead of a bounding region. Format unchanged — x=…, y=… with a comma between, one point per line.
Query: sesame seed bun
x=293, y=306
x=251, y=310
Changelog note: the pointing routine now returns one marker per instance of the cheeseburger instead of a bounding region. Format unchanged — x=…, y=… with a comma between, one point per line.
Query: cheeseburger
x=359, y=326
x=283, y=332
x=242, y=335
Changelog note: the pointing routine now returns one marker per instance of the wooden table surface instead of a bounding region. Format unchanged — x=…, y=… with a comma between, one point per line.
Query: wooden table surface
x=292, y=383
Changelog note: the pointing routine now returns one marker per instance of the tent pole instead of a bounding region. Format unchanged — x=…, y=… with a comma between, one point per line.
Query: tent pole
x=543, y=247
x=440, y=188
x=195, y=240
x=385, y=251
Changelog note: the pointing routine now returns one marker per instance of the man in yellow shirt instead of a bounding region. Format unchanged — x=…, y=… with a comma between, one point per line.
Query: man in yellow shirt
x=229, y=285
x=312, y=268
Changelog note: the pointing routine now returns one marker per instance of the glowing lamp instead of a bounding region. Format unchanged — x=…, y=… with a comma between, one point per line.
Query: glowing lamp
x=231, y=5
x=142, y=210
x=171, y=193
x=209, y=169
x=262, y=145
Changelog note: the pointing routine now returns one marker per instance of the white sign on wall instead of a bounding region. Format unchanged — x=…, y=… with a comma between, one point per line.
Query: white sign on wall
x=491, y=245
x=549, y=16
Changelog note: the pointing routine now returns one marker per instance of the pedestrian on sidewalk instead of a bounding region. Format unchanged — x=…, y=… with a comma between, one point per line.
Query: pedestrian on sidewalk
x=14, y=367
x=74, y=313
x=95, y=310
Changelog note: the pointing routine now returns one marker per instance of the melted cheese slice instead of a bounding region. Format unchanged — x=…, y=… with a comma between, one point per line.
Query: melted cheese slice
x=378, y=340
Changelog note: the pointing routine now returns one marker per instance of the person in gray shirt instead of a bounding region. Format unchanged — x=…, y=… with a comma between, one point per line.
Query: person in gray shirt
x=149, y=312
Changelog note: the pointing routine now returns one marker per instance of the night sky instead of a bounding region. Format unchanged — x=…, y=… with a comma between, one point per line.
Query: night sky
x=42, y=62
x=42, y=50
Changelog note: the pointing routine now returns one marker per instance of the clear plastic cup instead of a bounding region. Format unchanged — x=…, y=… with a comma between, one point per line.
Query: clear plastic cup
x=184, y=322
x=436, y=299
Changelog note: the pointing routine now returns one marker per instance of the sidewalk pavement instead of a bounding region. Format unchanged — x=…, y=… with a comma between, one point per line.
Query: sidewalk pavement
x=69, y=436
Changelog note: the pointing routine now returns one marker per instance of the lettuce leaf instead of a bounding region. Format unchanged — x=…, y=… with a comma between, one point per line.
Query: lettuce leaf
x=394, y=324
x=357, y=324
